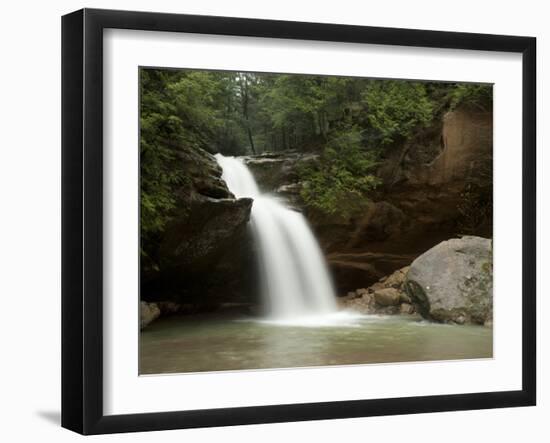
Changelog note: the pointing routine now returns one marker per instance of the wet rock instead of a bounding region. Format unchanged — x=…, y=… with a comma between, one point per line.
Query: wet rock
x=459, y=319
x=363, y=305
x=368, y=298
x=386, y=296
x=404, y=298
x=387, y=310
x=350, y=296
x=406, y=308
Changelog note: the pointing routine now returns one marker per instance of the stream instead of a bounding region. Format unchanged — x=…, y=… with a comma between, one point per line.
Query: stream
x=210, y=342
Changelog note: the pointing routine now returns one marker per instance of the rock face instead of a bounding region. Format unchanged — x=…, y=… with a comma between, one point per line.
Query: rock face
x=196, y=239
x=204, y=252
x=277, y=173
x=453, y=281
x=200, y=255
x=274, y=170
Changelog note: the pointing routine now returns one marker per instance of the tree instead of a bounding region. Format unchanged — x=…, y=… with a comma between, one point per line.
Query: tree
x=244, y=80
x=395, y=108
x=479, y=97
x=349, y=121
x=341, y=180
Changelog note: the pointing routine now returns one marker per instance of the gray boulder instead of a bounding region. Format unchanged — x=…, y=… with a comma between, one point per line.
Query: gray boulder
x=453, y=281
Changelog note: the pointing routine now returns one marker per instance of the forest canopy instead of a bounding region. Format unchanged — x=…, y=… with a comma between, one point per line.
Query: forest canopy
x=349, y=122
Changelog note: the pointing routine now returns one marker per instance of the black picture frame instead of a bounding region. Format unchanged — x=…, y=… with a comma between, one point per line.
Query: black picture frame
x=82, y=220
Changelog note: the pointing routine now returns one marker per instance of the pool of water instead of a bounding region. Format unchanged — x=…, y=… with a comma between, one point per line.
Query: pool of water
x=216, y=343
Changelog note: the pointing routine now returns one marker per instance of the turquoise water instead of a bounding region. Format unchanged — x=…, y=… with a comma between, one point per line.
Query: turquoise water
x=214, y=343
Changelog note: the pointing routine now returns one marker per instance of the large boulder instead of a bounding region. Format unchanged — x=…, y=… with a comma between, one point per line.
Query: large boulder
x=453, y=281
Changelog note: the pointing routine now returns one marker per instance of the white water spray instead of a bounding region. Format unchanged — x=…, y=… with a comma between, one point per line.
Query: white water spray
x=295, y=278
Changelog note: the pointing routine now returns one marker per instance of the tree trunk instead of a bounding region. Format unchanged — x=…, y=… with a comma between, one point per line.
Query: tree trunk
x=250, y=139
x=283, y=133
x=244, y=102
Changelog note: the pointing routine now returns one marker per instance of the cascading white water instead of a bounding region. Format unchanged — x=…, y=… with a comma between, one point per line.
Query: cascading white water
x=295, y=278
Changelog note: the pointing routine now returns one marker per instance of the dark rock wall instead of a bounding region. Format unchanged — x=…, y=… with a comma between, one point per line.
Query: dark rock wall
x=204, y=256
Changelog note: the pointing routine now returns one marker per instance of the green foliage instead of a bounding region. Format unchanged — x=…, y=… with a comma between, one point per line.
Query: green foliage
x=160, y=133
x=472, y=95
x=181, y=110
x=340, y=182
x=349, y=121
x=396, y=108
x=303, y=111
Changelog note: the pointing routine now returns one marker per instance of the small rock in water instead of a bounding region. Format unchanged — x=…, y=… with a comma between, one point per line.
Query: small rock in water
x=375, y=287
x=169, y=307
x=387, y=297
x=406, y=308
x=396, y=279
x=460, y=320
x=368, y=298
x=350, y=296
x=383, y=297
x=404, y=298
x=148, y=313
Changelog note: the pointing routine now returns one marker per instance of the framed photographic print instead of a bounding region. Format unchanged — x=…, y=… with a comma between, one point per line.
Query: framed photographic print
x=269, y=221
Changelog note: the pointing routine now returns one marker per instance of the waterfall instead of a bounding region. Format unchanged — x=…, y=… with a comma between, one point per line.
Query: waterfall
x=294, y=275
